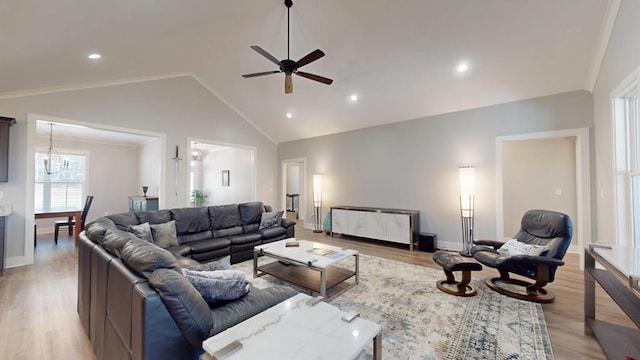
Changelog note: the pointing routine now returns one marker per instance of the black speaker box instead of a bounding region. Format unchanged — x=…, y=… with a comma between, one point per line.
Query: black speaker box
x=427, y=242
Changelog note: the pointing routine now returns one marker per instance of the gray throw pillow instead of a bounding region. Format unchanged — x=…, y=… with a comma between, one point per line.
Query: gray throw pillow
x=219, y=264
x=220, y=285
x=270, y=220
x=142, y=231
x=164, y=235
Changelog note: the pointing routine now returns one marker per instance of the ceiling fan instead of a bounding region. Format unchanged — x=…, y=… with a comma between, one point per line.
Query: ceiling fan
x=288, y=66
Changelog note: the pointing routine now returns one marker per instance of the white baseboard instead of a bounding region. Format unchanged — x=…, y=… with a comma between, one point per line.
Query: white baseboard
x=17, y=261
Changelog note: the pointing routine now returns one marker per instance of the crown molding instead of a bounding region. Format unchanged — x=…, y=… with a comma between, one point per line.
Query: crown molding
x=84, y=86
x=603, y=42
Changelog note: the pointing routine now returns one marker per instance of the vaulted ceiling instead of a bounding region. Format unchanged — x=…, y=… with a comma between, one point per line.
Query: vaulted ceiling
x=399, y=57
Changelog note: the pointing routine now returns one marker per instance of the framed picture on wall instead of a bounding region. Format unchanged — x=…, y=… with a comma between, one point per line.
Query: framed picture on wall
x=225, y=177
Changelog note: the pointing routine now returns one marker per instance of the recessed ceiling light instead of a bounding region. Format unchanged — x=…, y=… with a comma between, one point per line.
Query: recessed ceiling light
x=463, y=67
x=94, y=56
x=353, y=97
x=289, y=115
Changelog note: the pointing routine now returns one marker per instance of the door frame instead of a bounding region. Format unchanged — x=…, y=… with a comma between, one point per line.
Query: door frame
x=302, y=204
x=582, y=223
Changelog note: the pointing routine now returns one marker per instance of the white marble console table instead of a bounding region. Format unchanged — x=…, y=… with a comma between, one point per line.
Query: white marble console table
x=395, y=225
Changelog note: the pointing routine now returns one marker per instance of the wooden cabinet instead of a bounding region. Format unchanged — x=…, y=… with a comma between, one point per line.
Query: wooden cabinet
x=399, y=226
x=5, y=123
x=142, y=203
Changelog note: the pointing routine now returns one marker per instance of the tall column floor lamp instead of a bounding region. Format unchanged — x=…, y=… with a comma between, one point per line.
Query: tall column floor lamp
x=317, y=202
x=467, y=175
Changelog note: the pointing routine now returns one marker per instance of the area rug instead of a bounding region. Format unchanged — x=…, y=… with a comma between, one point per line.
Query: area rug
x=421, y=322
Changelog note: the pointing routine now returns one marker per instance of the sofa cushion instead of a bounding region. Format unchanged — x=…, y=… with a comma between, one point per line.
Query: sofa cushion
x=123, y=220
x=144, y=257
x=224, y=216
x=219, y=285
x=154, y=217
x=270, y=220
x=209, y=245
x=189, y=238
x=251, y=212
x=186, y=263
x=164, y=235
x=191, y=220
x=272, y=233
x=180, y=250
x=187, y=307
x=223, y=263
x=142, y=231
x=114, y=240
x=236, y=230
x=244, y=238
x=255, y=302
x=251, y=228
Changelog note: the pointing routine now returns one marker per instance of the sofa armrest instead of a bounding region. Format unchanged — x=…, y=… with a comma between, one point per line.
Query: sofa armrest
x=286, y=223
x=495, y=244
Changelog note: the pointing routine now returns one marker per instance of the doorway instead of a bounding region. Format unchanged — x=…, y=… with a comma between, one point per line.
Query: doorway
x=294, y=188
x=523, y=181
x=221, y=173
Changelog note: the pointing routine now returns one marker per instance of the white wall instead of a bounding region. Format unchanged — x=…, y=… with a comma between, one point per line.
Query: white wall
x=414, y=164
x=293, y=179
x=621, y=58
x=150, y=155
x=533, y=170
x=240, y=164
x=178, y=107
x=104, y=164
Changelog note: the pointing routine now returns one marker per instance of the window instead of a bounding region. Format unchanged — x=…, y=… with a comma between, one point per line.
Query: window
x=64, y=187
x=627, y=162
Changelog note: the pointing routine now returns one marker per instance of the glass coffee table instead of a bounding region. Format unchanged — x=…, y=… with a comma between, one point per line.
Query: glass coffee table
x=297, y=328
x=305, y=263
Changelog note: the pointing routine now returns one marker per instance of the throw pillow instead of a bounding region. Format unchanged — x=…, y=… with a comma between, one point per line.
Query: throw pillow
x=220, y=285
x=270, y=220
x=142, y=231
x=219, y=264
x=164, y=235
x=515, y=247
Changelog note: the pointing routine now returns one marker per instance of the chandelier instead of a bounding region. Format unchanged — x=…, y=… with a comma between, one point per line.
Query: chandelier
x=196, y=155
x=51, y=159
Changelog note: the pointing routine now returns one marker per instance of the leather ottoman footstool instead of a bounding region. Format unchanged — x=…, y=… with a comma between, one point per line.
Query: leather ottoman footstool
x=451, y=262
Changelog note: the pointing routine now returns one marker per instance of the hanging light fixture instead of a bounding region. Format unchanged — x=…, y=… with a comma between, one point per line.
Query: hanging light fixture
x=196, y=155
x=51, y=159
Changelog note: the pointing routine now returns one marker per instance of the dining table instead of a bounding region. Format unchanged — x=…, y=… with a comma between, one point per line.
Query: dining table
x=63, y=212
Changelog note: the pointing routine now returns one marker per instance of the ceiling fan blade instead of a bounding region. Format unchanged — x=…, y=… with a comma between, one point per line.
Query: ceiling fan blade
x=288, y=84
x=261, y=73
x=318, y=78
x=264, y=53
x=312, y=56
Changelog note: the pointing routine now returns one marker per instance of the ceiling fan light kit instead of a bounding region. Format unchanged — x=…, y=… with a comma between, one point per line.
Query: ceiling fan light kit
x=288, y=66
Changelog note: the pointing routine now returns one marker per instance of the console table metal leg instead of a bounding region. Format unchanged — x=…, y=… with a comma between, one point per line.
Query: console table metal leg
x=357, y=268
x=589, y=293
x=377, y=346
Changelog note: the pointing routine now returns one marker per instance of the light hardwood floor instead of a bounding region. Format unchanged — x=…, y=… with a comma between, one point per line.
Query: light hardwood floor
x=38, y=318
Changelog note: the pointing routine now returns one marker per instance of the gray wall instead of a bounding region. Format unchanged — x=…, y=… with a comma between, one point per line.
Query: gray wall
x=533, y=171
x=621, y=58
x=178, y=107
x=414, y=164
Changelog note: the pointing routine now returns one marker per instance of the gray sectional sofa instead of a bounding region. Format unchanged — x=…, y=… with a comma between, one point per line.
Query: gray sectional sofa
x=133, y=301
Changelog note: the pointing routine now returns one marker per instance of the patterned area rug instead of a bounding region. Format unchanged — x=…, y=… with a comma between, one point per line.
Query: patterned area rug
x=421, y=322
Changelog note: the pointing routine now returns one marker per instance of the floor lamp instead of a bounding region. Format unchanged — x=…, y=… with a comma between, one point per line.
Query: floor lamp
x=317, y=202
x=467, y=174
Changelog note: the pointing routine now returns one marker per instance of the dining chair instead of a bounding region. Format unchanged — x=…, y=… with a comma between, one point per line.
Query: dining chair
x=70, y=222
